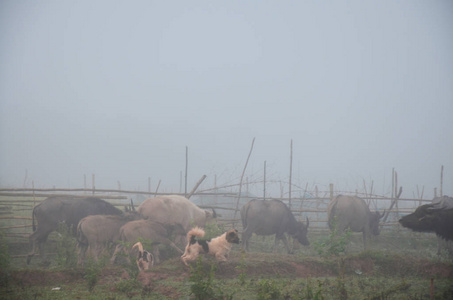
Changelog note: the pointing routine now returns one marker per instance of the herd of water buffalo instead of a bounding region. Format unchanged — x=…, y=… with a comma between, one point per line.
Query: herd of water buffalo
x=166, y=220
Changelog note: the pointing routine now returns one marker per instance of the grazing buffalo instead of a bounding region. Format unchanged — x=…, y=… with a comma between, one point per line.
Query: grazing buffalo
x=445, y=202
x=431, y=218
x=97, y=232
x=70, y=210
x=175, y=210
x=155, y=232
x=353, y=213
x=271, y=217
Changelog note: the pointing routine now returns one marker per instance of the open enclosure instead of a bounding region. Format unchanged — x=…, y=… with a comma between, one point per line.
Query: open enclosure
x=399, y=264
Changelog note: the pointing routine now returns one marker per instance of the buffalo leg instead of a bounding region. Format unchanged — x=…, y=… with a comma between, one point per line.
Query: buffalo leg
x=82, y=253
x=246, y=235
x=364, y=240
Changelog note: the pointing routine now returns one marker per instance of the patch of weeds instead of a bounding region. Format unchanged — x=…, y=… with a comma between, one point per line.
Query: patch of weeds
x=341, y=286
x=335, y=243
x=5, y=261
x=128, y=286
x=269, y=289
x=310, y=291
x=92, y=271
x=242, y=268
x=203, y=283
x=66, y=247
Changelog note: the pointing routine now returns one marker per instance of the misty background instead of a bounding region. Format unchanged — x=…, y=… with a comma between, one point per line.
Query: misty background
x=120, y=89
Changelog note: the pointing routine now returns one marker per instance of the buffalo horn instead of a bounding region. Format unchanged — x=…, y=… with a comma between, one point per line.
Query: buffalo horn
x=308, y=222
x=214, y=213
x=383, y=214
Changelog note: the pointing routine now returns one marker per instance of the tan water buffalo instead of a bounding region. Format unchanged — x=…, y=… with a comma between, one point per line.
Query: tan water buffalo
x=149, y=230
x=98, y=232
x=176, y=210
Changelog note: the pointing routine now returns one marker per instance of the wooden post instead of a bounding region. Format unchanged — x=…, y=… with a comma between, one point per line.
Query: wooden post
x=157, y=188
x=441, y=180
x=149, y=185
x=187, y=163
x=84, y=182
x=435, y=192
x=240, y=183
x=331, y=191
x=34, y=199
x=196, y=186
x=290, y=173
x=396, y=193
x=264, y=183
x=92, y=180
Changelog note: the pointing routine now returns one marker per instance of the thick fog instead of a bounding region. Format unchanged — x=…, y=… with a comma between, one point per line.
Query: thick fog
x=120, y=89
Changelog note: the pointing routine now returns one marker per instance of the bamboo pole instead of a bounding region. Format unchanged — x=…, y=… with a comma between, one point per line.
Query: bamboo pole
x=185, y=178
x=290, y=172
x=92, y=182
x=242, y=177
x=157, y=188
x=196, y=186
x=441, y=179
x=264, y=185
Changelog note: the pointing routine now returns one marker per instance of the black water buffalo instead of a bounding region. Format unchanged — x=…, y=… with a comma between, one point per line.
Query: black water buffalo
x=431, y=218
x=353, y=213
x=445, y=202
x=271, y=217
x=70, y=210
x=98, y=232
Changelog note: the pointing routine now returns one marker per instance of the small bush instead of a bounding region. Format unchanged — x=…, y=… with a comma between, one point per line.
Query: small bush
x=335, y=243
x=93, y=269
x=66, y=247
x=128, y=286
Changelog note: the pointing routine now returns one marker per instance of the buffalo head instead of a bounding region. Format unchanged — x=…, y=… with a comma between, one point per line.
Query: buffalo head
x=373, y=221
x=423, y=219
x=301, y=233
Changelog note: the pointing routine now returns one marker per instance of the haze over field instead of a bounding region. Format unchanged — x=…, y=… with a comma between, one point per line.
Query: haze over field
x=119, y=89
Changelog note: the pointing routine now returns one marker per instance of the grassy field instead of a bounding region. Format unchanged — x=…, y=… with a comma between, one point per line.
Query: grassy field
x=398, y=265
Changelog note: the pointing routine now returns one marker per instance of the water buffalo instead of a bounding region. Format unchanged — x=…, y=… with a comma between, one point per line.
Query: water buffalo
x=155, y=232
x=431, y=218
x=97, y=232
x=175, y=210
x=445, y=202
x=53, y=210
x=271, y=217
x=353, y=213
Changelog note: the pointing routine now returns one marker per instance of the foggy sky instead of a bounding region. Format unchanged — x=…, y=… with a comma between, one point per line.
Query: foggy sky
x=119, y=89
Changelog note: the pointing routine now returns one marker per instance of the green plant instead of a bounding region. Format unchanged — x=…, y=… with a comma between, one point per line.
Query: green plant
x=128, y=286
x=202, y=282
x=242, y=268
x=66, y=247
x=335, y=243
x=92, y=271
x=269, y=289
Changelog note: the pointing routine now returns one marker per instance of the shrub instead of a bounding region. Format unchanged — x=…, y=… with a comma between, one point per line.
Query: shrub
x=66, y=247
x=335, y=243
